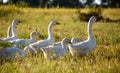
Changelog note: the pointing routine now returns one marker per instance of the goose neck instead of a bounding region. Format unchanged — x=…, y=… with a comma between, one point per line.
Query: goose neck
x=32, y=37
x=90, y=34
x=13, y=30
x=9, y=34
x=50, y=35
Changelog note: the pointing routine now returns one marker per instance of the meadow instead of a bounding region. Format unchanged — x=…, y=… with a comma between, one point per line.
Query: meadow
x=105, y=58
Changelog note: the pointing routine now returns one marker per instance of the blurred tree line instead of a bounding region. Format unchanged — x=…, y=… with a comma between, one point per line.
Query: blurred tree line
x=63, y=3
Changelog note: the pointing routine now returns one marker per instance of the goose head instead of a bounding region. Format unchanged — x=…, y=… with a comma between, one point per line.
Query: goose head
x=53, y=22
x=75, y=40
x=36, y=33
x=66, y=40
x=92, y=20
x=15, y=21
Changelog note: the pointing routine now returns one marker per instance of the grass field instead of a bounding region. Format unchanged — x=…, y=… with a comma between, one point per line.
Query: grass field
x=105, y=58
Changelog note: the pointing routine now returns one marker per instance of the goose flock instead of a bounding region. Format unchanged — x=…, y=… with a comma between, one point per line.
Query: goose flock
x=49, y=48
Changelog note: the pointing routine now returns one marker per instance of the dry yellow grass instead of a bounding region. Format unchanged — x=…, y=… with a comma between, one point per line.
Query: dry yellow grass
x=104, y=59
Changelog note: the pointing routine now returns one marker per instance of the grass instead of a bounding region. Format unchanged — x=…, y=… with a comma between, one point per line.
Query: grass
x=105, y=58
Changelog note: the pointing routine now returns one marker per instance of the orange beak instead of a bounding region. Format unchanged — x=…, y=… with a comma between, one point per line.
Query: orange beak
x=96, y=17
x=70, y=43
x=19, y=21
x=57, y=23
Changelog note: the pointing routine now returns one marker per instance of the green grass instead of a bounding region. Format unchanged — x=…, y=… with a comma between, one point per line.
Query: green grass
x=105, y=58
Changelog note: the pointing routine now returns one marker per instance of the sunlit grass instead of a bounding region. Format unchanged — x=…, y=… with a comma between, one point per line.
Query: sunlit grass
x=105, y=58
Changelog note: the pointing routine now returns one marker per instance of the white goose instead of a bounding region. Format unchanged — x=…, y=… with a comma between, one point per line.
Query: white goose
x=24, y=42
x=10, y=53
x=54, y=52
x=75, y=40
x=86, y=46
x=13, y=29
x=43, y=43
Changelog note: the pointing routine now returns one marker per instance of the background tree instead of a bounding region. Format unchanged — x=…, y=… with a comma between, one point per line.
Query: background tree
x=89, y=2
x=1, y=1
x=66, y=3
x=115, y=3
x=33, y=3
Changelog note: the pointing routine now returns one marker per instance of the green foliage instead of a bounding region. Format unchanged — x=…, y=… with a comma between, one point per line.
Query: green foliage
x=46, y=3
x=23, y=4
x=66, y=3
x=92, y=11
x=62, y=3
x=97, y=12
x=89, y=2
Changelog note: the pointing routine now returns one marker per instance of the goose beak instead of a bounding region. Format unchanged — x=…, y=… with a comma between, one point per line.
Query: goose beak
x=39, y=36
x=57, y=23
x=96, y=17
x=70, y=42
x=19, y=21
